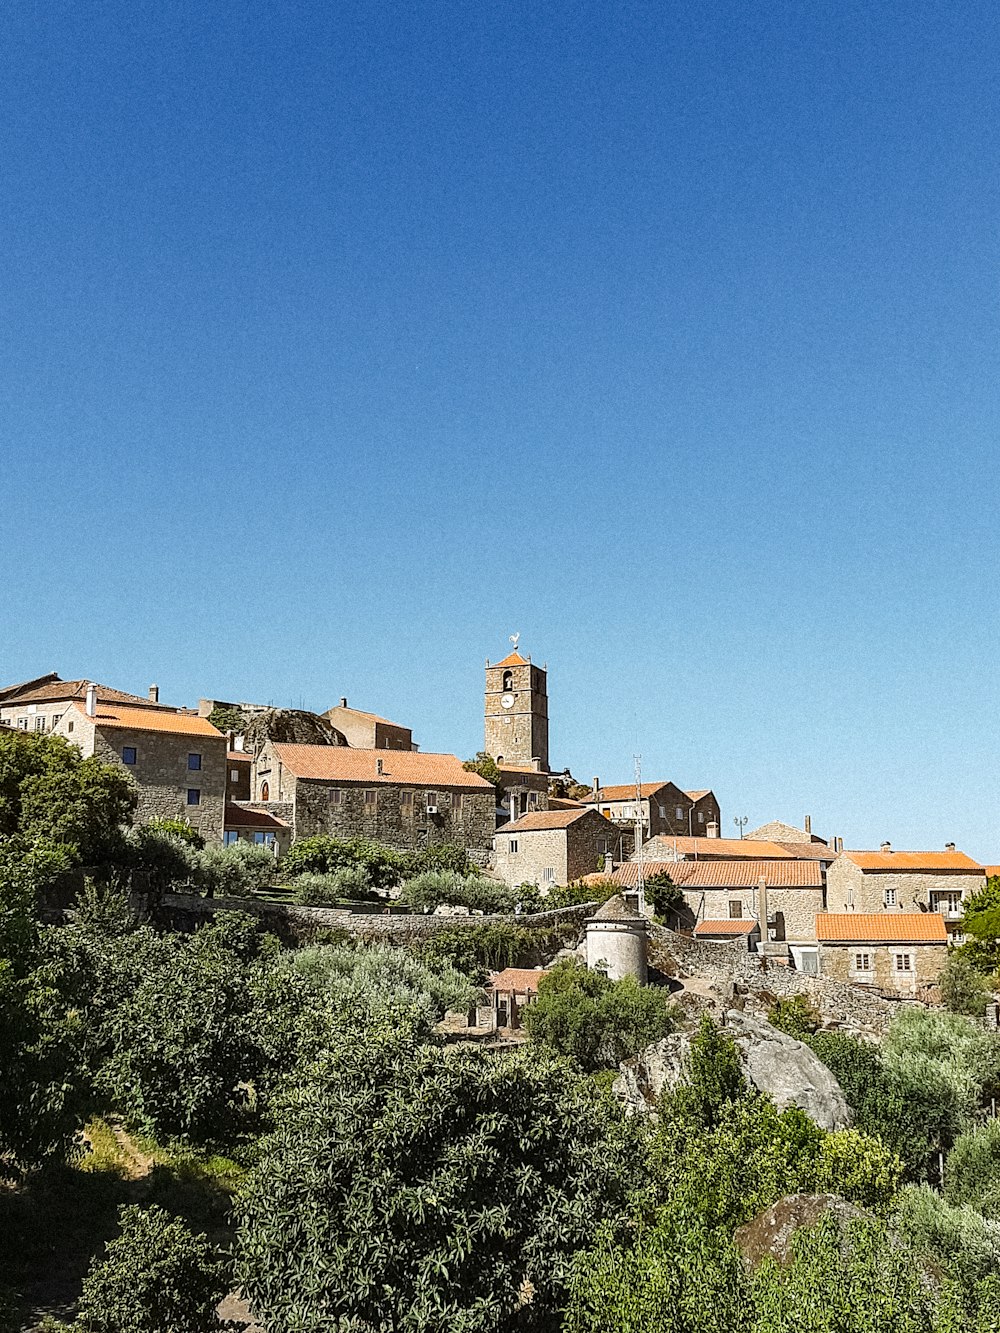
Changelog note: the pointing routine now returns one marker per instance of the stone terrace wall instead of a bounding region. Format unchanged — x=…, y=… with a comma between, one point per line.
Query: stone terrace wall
x=184, y=912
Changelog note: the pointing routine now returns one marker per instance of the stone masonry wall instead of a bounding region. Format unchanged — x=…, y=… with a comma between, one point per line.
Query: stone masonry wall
x=797, y=908
x=911, y=889
x=837, y=961
x=468, y=821
x=537, y=851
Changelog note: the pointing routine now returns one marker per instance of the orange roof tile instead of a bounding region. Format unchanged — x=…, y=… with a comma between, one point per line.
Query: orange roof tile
x=546, y=819
x=876, y=862
x=697, y=795
x=564, y=803
x=991, y=871
x=511, y=660
x=406, y=768
x=150, y=719
x=517, y=979
x=743, y=926
x=881, y=928
x=624, y=792
x=665, y=845
x=787, y=874
x=238, y=816
x=239, y=756
x=360, y=712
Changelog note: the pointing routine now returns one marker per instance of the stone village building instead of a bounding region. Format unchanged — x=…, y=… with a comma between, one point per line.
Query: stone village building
x=368, y=731
x=664, y=809
x=517, y=712
x=37, y=705
x=400, y=797
x=897, y=952
x=177, y=760
x=886, y=881
x=549, y=847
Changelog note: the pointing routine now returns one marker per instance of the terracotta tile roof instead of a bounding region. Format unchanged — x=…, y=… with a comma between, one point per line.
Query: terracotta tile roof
x=565, y=803
x=76, y=689
x=697, y=795
x=238, y=816
x=406, y=768
x=664, y=846
x=359, y=712
x=545, y=819
x=720, y=874
x=239, y=756
x=23, y=685
x=151, y=719
x=517, y=979
x=881, y=928
x=743, y=926
x=991, y=871
x=512, y=660
x=625, y=792
x=810, y=851
x=876, y=862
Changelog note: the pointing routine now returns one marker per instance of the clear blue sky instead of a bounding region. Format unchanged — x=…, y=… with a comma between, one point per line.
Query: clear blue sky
x=339, y=341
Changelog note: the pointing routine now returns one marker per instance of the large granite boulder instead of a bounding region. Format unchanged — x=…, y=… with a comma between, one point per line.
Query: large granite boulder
x=770, y=1235
x=786, y=1069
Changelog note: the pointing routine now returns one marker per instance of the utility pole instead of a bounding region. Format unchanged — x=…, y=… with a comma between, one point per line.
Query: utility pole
x=640, y=885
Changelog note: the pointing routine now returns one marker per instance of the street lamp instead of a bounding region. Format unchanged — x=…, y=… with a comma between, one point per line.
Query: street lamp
x=741, y=821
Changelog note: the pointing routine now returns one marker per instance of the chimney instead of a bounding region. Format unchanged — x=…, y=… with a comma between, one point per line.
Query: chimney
x=343, y=701
x=378, y=767
x=609, y=862
x=762, y=911
x=712, y=829
x=154, y=694
x=886, y=847
x=91, y=700
x=807, y=823
x=949, y=846
x=596, y=788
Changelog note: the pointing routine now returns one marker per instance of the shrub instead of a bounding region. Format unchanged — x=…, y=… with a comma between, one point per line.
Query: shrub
x=351, y=977
x=964, y=989
x=437, y=888
x=350, y=882
x=438, y=856
x=156, y=1277
x=664, y=896
x=795, y=1015
x=490, y=947
x=240, y=870
x=957, y=1236
x=322, y=855
x=972, y=1169
x=167, y=861
x=182, y=829
x=578, y=893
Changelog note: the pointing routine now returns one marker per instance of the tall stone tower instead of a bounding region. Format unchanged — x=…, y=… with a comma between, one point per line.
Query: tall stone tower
x=517, y=711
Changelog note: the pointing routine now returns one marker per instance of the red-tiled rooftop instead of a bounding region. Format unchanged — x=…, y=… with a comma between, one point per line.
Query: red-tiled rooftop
x=51, y=691
x=237, y=816
x=406, y=768
x=151, y=719
x=536, y=820
x=625, y=792
x=522, y=979
x=881, y=928
x=915, y=861
x=665, y=845
x=777, y=874
x=742, y=926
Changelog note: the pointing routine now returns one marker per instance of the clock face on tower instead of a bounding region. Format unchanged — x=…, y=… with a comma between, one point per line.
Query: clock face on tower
x=506, y=701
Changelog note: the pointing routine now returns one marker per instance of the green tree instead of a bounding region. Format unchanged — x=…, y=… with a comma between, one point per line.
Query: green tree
x=666, y=898
x=597, y=1022
x=964, y=989
x=227, y=717
x=443, y=887
x=412, y=1188
x=486, y=766
x=972, y=1169
x=322, y=855
x=155, y=1277
x=981, y=927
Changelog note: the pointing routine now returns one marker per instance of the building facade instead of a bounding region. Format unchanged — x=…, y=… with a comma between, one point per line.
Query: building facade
x=37, y=705
x=550, y=847
x=368, y=731
x=402, y=798
x=889, y=881
x=517, y=712
x=177, y=760
x=663, y=808
x=900, y=953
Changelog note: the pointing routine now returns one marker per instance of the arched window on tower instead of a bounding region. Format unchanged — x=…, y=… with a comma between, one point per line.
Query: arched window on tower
x=508, y=680
x=265, y=792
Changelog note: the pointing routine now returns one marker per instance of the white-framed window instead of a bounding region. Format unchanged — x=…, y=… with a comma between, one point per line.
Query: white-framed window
x=902, y=962
x=230, y=837
x=890, y=897
x=701, y=816
x=40, y=722
x=234, y=775
x=679, y=812
x=22, y=724
x=863, y=962
x=512, y=846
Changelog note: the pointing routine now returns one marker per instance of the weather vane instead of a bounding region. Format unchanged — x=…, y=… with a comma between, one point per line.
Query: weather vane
x=514, y=638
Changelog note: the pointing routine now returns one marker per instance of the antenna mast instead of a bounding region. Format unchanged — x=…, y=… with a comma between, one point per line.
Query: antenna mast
x=640, y=883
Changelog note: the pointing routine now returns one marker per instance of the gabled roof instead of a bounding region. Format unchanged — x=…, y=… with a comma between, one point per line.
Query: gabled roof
x=238, y=816
x=517, y=979
x=693, y=875
x=24, y=685
x=778, y=831
x=402, y=768
x=991, y=871
x=564, y=803
x=916, y=862
x=56, y=690
x=239, y=756
x=626, y=792
x=698, y=795
x=881, y=928
x=616, y=909
x=810, y=851
x=742, y=926
x=512, y=660
x=665, y=845
x=150, y=719
x=359, y=712
x=537, y=820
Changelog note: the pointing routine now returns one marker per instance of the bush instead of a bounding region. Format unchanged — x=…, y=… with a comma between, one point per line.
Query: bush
x=352, y=977
x=438, y=856
x=942, y=1233
x=972, y=1169
x=156, y=1277
x=437, y=888
x=323, y=855
x=794, y=1015
x=350, y=883
x=666, y=898
x=181, y=829
x=237, y=871
x=578, y=893
x=490, y=947
x=964, y=989
x=167, y=861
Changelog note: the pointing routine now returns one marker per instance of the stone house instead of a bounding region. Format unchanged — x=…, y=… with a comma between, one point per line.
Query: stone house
x=368, y=731
x=664, y=809
x=548, y=847
x=177, y=760
x=746, y=933
x=511, y=991
x=681, y=848
x=523, y=788
x=400, y=797
x=901, y=953
x=239, y=775
x=260, y=827
x=886, y=881
x=37, y=705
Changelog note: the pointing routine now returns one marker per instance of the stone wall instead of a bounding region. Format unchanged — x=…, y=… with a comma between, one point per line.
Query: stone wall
x=927, y=960
x=795, y=908
x=466, y=818
x=849, y=888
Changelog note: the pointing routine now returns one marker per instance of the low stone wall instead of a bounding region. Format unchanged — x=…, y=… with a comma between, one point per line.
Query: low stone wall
x=185, y=912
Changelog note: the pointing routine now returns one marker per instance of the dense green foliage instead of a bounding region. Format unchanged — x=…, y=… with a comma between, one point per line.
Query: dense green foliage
x=156, y=1277
x=598, y=1022
x=964, y=989
x=665, y=898
x=352, y=978
x=490, y=946
x=435, y=888
x=349, y=884
x=486, y=766
x=981, y=927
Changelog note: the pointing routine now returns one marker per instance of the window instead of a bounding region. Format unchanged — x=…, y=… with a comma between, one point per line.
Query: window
x=432, y=798
x=406, y=799
x=128, y=755
x=862, y=962
x=602, y=846
x=234, y=775
x=22, y=724
x=903, y=962
x=264, y=839
x=69, y=726
x=606, y=812
x=371, y=796
x=549, y=875
x=40, y=723
x=336, y=796
x=680, y=812
x=890, y=897
x=194, y=796
x=663, y=812
x=508, y=680
x=735, y=909
x=194, y=763
x=456, y=802
x=265, y=792
x=532, y=800
x=512, y=845
x=701, y=816
x=230, y=837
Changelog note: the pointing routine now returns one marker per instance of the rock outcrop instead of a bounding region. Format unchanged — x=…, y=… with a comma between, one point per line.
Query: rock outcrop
x=771, y=1233
x=774, y=1063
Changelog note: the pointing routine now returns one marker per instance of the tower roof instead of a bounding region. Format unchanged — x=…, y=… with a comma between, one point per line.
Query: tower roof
x=512, y=659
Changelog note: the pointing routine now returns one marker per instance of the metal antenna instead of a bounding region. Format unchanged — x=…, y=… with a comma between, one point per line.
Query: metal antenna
x=640, y=883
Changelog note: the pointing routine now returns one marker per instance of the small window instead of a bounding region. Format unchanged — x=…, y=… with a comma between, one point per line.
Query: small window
x=890, y=897
x=406, y=799
x=456, y=802
x=735, y=909
x=230, y=837
x=371, y=796
x=862, y=962
x=264, y=839
x=903, y=962
x=194, y=763
x=336, y=796
x=40, y=723
x=680, y=812
x=606, y=812
x=548, y=875
x=69, y=726
x=602, y=846
x=701, y=816
x=194, y=796
x=128, y=755
x=432, y=798
x=508, y=680
x=663, y=812
x=234, y=775
x=22, y=723
x=512, y=847
x=265, y=792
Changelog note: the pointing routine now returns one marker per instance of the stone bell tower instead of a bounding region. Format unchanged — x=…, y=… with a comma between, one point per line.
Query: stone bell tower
x=517, y=711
